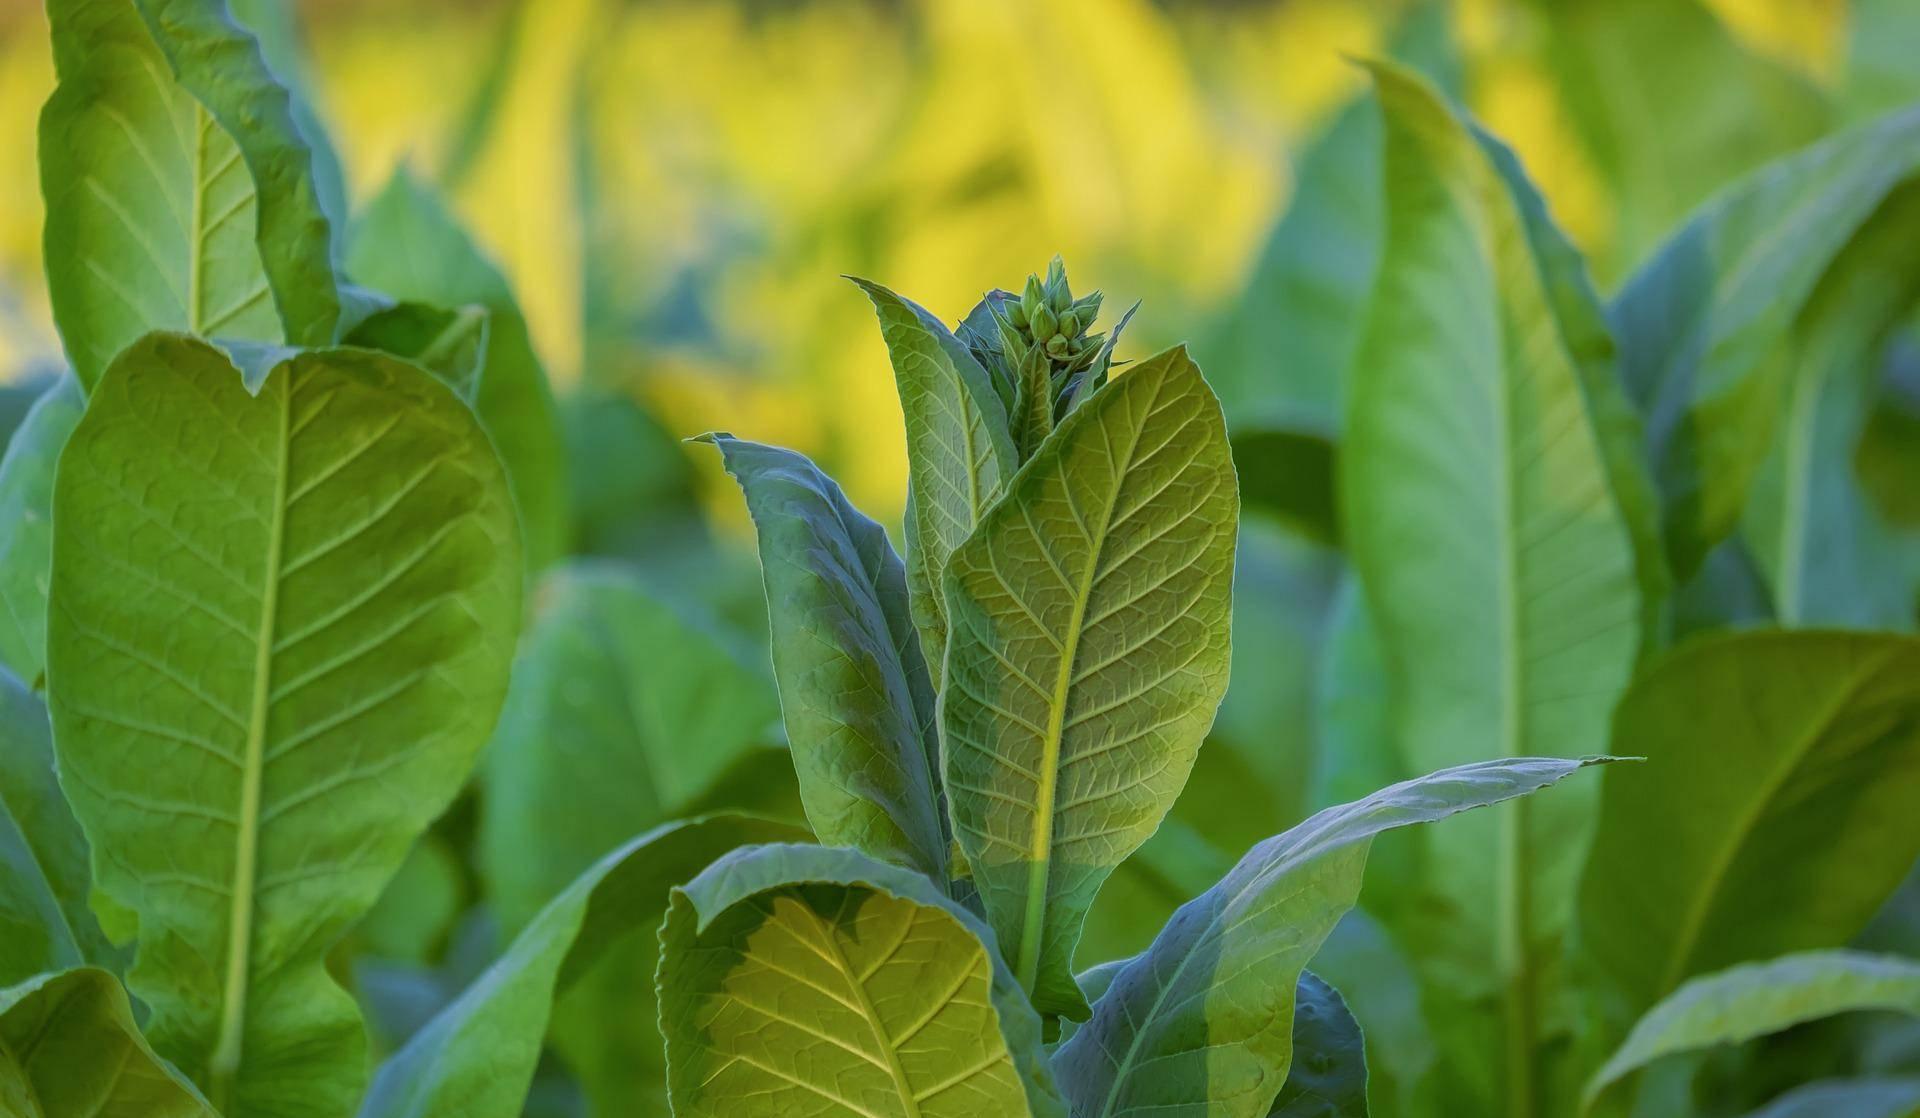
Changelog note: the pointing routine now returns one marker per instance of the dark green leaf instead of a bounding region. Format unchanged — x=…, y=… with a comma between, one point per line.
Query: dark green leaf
x=69, y=1048
x=450, y=344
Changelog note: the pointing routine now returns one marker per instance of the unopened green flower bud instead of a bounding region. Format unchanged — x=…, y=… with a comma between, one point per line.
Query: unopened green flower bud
x=1044, y=322
x=1017, y=313
x=1088, y=308
x=1057, y=345
x=1034, y=297
x=1056, y=273
x=1070, y=324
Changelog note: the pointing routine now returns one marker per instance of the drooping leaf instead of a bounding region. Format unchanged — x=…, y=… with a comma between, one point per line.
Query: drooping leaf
x=26, y=525
x=854, y=691
x=1088, y=655
x=69, y=1048
x=280, y=629
x=178, y=187
x=476, y=1057
x=1705, y=327
x=408, y=245
x=1203, y=1020
x=803, y=979
x=1829, y=555
x=1498, y=566
x=1855, y=1098
x=45, y=924
x=1771, y=815
x=1756, y=999
x=960, y=451
x=1670, y=107
x=450, y=343
x=625, y=710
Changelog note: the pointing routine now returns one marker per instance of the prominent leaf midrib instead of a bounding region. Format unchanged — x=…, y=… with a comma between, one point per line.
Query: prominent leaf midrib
x=225, y=1060
x=197, y=231
x=888, y=1052
x=1040, y=867
x=1694, y=915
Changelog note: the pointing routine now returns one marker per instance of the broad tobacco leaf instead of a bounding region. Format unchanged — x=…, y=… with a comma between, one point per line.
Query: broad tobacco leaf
x=625, y=710
x=1088, y=655
x=1486, y=522
x=26, y=500
x=1700, y=863
x=178, y=185
x=1203, y=1020
x=279, y=632
x=476, y=1058
x=45, y=924
x=1750, y=1001
x=808, y=980
x=408, y=245
x=69, y=1048
x=1706, y=327
x=854, y=689
x=960, y=450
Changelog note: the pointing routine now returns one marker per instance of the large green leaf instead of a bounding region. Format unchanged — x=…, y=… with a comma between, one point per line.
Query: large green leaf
x=280, y=629
x=69, y=1048
x=854, y=691
x=1669, y=107
x=1828, y=554
x=45, y=924
x=808, y=980
x=1499, y=569
x=26, y=525
x=1088, y=655
x=1328, y=1076
x=959, y=451
x=1202, y=1022
x=1855, y=1098
x=408, y=245
x=178, y=187
x=625, y=710
x=477, y=1056
x=1706, y=326
x=1754, y=1000
x=1772, y=814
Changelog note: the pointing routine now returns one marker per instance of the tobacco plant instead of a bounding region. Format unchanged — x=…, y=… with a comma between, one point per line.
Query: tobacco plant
x=266, y=561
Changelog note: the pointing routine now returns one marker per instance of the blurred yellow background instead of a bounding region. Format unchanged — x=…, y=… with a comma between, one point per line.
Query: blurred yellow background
x=675, y=186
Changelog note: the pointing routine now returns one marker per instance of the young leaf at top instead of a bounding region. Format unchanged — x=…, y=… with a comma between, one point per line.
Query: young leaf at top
x=1700, y=862
x=801, y=979
x=1088, y=655
x=1482, y=519
x=69, y=1048
x=408, y=245
x=854, y=690
x=45, y=924
x=625, y=710
x=477, y=1056
x=26, y=499
x=1203, y=1020
x=178, y=187
x=959, y=450
x=279, y=632
x=1750, y=1001
x=1705, y=327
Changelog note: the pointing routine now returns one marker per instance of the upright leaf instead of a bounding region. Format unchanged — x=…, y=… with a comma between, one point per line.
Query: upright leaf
x=1750, y=1001
x=1203, y=1021
x=26, y=525
x=1089, y=652
x=1482, y=520
x=45, y=924
x=178, y=187
x=69, y=1048
x=959, y=450
x=854, y=691
x=625, y=710
x=1773, y=813
x=477, y=1056
x=1705, y=327
x=408, y=245
x=279, y=631
x=800, y=979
